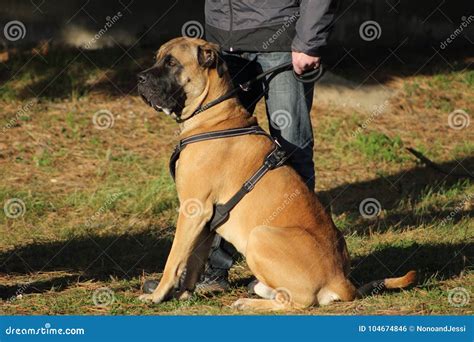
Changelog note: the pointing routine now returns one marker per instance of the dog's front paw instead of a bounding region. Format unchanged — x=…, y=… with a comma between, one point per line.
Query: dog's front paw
x=149, y=298
x=146, y=298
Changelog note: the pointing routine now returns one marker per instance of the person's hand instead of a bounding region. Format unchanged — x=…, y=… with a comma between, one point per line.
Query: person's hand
x=303, y=62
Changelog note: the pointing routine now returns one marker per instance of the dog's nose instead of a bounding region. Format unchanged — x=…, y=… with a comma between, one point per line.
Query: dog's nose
x=142, y=77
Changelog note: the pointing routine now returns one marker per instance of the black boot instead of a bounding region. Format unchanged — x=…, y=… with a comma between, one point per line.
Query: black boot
x=216, y=273
x=150, y=285
x=213, y=280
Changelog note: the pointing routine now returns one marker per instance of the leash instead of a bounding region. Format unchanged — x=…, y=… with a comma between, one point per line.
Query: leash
x=274, y=159
x=307, y=77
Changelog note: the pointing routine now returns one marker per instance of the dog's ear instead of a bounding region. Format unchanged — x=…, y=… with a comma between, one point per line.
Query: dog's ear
x=209, y=56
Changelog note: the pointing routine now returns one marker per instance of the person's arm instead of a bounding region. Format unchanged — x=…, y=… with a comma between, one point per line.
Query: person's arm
x=312, y=31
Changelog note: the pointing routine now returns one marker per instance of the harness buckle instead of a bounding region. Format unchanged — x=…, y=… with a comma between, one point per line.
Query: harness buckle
x=245, y=86
x=248, y=186
x=276, y=158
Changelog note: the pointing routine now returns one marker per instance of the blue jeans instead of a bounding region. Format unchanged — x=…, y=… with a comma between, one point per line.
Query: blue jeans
x=288, y=105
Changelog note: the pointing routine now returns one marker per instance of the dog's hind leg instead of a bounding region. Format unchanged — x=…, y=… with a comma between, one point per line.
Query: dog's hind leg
x=291, y=263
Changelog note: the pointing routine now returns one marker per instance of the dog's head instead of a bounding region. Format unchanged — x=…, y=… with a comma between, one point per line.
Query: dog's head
x=181, y=77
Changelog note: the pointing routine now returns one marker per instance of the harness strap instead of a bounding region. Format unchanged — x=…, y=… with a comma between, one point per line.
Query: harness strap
x=227, y=133
x=221, y=214
x=273, y=160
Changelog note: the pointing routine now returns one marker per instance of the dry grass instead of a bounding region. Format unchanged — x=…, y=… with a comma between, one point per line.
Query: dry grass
x=58, y=254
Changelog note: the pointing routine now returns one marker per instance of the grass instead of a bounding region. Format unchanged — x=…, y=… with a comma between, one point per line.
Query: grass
x=379, y=147
x=101, y=206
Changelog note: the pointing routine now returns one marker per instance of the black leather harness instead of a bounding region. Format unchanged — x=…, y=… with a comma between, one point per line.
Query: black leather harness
x=274, y=159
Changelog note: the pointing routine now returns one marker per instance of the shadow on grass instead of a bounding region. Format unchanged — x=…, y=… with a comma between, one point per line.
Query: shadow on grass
x=128, y=256
x=88, y=258
x=9, y=292
x=84, y=258
x=408, y=186
x=441, y=261
x=71, y=72
x=438, y=261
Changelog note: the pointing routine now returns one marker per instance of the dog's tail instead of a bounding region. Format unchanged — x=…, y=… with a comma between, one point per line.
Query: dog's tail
x=377, y=286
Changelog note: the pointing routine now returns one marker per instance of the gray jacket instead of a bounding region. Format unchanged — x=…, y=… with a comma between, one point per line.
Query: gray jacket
x=270, y=25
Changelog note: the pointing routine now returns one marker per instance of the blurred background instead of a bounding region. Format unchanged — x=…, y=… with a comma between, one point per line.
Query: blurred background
x=425, y=23
x=402, y=36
